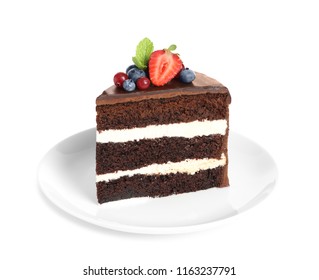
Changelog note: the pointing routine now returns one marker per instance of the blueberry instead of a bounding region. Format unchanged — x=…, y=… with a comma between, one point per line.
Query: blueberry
x=187, y=75
x=135, y=74
x=129, y=85
x=130, y=67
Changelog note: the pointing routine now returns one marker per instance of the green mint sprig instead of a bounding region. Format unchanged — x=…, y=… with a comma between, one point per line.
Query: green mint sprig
x=143, y=53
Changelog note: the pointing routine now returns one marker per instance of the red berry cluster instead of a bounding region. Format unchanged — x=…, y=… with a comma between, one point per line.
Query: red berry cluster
x=121, y=78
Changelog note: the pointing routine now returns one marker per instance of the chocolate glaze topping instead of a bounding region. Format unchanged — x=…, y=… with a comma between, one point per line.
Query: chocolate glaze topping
x=202, y=84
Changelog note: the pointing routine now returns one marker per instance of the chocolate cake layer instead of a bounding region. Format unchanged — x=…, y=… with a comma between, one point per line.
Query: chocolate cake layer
x=160, y=185
x=130, y=155
x=162, y=111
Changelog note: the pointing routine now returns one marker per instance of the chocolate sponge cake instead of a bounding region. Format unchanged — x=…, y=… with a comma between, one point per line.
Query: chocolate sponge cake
x=163, y=140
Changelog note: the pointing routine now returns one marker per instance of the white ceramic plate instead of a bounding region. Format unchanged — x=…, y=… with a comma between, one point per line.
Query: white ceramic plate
x=66, y=176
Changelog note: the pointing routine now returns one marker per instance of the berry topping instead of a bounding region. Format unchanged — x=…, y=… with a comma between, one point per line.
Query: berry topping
x=152, y=68
x=143, y=83
x=135, y=74
x=187, y=75
x=164, y=66
x=129, y=85
x=119, y=78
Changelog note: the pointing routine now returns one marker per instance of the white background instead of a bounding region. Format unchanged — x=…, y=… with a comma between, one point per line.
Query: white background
x=57, y=56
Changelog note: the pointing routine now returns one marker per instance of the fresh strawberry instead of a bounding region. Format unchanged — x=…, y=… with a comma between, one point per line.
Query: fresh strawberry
x=163, y=66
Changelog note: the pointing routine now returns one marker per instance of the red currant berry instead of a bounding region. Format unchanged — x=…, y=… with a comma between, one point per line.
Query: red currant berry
x=119, y=79
x=143, y=83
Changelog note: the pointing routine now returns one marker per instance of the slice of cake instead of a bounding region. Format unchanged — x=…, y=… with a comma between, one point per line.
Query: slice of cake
x=162, y=129
x=163, y=140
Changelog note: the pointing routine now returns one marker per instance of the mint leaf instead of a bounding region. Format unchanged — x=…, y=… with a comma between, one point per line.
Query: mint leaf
x=139, y=64
x=143, y=53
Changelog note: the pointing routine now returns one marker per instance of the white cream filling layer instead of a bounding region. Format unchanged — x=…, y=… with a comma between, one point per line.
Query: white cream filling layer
x=189, y=166
x=187, y=130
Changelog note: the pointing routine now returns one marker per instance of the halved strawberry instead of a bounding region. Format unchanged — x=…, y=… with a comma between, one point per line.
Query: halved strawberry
x=163, y=66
